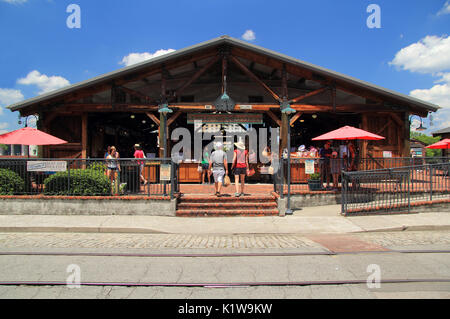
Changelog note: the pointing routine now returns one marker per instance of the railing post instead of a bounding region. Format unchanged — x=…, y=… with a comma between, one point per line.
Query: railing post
x=410, y=170
x=343, y=193
x=68, y=177
x=172, y=179
x=431, y=181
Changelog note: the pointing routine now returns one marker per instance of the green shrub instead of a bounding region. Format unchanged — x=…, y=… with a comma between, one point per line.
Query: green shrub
x=314, y=177
x=10, y=182
x=100, y=166
x=83, y=182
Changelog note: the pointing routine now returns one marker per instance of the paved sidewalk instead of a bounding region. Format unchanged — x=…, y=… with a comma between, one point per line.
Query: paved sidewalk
x=323, y=219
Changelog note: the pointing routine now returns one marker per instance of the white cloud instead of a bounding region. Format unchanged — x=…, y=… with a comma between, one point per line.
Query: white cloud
x=438, y=94
x=43, y=82
x=445, y=9
x=8, y=97
x=430, y=55
x=249, y=35
x=134, y=58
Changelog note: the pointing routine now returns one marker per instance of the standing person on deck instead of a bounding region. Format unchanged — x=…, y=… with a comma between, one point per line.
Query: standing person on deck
x=240, y=165
x=218, y=166
x=113, y=168
x=325, y=155
x=205, y=166
x=139, y=153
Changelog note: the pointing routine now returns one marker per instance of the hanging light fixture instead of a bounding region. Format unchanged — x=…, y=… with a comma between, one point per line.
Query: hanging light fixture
x=224, y=103
x=286, y=108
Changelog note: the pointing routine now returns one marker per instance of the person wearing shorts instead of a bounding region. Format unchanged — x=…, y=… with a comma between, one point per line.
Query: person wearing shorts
x=205, y=166
x=138, y=153
x=240, y=165
x=218, y=166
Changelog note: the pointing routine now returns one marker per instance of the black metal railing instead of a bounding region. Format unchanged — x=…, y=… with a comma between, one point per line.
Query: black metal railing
x=299, y=177
x=394, y=189
x=89, y=177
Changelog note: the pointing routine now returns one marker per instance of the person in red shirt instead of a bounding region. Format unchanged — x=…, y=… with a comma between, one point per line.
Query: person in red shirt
x=139, y=153
x=240, y=166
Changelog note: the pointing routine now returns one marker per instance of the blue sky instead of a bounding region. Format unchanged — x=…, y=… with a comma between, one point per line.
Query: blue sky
x=410, y=53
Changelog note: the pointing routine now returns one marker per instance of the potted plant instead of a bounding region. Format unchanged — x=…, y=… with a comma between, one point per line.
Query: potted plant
x=314, y=182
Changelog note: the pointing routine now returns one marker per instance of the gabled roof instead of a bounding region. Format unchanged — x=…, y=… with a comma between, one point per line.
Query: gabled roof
x=108, y=77
x=442, y=131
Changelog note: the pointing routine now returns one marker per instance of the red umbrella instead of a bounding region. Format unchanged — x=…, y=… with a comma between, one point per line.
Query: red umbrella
x=348, y=133
x=29, y=136
x=444, y=144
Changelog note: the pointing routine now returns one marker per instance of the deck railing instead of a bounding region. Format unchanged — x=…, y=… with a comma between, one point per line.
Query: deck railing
x=394, y=189
x=89, y=177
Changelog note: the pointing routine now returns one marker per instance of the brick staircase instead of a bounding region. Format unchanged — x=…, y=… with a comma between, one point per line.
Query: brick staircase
x=212, y=206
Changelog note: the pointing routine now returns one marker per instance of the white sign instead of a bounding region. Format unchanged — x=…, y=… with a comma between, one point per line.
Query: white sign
x=245, y=107
x=42, y=166
x=387, y=154
x=309, y=166
x=164, y=172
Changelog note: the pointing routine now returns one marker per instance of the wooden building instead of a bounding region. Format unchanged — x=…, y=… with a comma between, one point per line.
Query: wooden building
x=122, y=108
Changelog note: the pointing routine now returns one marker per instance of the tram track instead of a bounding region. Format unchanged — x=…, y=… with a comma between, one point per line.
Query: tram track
x=227, y=284
x=230, y=282
x=213, y=255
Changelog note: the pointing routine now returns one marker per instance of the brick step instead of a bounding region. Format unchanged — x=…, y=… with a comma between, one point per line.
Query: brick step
x=227, y=205
x=226, y=212
x=214, y=199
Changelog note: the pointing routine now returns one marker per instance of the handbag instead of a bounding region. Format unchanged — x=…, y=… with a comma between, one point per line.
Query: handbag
x=226, y=181
x=250, y=172
x=199, y=168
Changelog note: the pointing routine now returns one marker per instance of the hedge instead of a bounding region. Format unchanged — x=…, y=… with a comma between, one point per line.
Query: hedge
x=10, y=182
x=82, y=182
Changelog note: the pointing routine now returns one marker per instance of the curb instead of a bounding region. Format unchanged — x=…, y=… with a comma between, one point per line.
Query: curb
x=62, y=229
x=132, y=230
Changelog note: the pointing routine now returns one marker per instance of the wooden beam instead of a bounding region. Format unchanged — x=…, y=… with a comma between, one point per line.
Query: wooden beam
x=389, y=122
x=251, y=75
x=304, y=96
x=224, y=72
x=284, y=86
x=274, y=118
x=195, y=76
x=396, y=119
x=153, y=117
x=174, y=117
x=295, y=118
x=136, y=93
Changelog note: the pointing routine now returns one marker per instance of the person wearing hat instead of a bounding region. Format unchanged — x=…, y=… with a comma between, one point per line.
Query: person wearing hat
x=240, y=165
x=218, y=166
x=139, y=153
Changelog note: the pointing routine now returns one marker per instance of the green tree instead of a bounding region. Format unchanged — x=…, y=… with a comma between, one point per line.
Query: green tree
x=428, y=140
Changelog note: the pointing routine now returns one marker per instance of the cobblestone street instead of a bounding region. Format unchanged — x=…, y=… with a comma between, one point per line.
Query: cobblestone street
x=202, y=241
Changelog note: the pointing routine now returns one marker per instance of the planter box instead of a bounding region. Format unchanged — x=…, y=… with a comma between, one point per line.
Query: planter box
x=315, y=185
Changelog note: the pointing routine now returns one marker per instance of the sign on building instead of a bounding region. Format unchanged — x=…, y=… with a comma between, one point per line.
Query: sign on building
x=46, y=166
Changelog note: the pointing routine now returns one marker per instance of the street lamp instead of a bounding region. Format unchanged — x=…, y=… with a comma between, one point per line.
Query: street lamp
x=164, y=110
x=421, y=127
x=288, y=110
